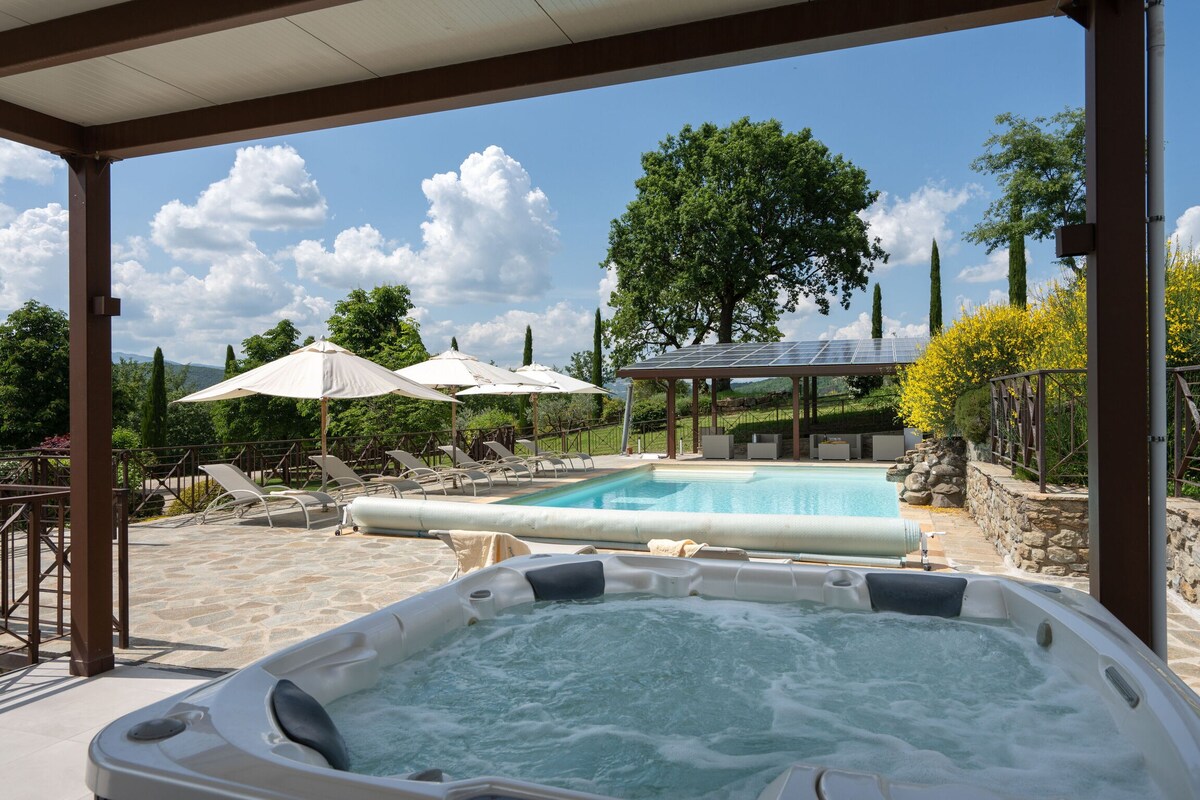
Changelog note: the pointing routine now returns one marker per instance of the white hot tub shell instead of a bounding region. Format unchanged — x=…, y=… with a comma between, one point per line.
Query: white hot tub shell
x=224, y=740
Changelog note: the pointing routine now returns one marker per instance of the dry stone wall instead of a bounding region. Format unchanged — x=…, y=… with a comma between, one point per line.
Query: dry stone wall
x=1183, y=547
x=933, y=474
x=1043, y=533
x=1048, y=533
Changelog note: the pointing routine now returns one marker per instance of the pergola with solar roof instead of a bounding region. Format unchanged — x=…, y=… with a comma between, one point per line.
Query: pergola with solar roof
x=803, y=362
x=97, y=81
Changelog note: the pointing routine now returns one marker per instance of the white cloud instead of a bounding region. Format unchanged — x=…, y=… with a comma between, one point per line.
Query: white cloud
x=33, y=258
x=608, y=285
x=23, y=163
x=861, y=329
x=558, y=331
x=488, y=238
x=908, y=226
x=1187, y=228
x=994, y=269
x=792, y=324
x=133, y=248
x=193, y=317
x=267, y=189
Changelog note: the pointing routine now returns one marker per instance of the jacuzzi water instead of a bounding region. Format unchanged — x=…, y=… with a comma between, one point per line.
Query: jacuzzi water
x=669, y=698
x=857, y=492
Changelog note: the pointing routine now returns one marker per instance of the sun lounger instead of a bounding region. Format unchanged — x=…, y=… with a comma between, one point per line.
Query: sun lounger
x=478, y=549
x=462, y=461
x=242, y=494
x=585, y=459
x=340, y=480
x=538, y=462
x=415, y=469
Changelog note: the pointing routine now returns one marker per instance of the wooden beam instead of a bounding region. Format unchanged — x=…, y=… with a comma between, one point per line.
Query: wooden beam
x=36, y=129
x=795, y=418
x=1118, y=429
x=670, y=419
x=90, y=266
x=135, y=24
x=789, y=30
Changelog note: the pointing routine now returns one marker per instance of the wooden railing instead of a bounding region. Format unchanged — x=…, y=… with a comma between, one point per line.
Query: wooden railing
x=1039, y=425
x=35, y=570
x=1186, y=467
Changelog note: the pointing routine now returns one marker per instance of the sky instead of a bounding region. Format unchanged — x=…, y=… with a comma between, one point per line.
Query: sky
x=497, y=217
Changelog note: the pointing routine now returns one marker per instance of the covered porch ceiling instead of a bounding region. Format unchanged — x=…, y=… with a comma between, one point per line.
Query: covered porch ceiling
x=123, y=79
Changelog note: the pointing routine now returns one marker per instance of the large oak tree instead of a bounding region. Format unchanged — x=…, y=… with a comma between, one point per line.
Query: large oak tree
x=730, y=228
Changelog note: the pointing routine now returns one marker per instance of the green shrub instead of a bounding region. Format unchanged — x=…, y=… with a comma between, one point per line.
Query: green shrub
x=973, y=414
x=489, y=419
x=194, y=498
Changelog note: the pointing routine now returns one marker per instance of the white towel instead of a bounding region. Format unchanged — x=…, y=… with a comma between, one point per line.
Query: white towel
x=683, y=548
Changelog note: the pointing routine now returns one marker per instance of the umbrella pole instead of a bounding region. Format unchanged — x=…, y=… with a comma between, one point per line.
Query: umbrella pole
x=324, y=449
x=453, y=436
x=533, y=400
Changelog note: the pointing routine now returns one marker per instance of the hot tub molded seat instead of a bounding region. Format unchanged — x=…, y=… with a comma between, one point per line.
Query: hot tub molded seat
x=233, y=747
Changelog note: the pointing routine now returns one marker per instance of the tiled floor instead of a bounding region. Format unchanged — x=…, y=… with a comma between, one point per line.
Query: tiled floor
x=207, y=599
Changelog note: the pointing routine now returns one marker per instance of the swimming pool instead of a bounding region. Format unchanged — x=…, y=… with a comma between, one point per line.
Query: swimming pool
x=805, y=491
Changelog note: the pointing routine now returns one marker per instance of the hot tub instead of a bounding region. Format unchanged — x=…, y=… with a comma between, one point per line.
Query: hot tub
x=263, y=732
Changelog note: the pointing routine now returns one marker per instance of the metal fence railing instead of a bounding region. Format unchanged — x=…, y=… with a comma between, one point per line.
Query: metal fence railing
x=1185, y=470
x=1039, y=425
x=35, y=570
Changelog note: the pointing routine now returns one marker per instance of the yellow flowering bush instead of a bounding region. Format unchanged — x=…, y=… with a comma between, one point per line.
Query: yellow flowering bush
x=1062, y=319
x=1183, y=307
x=984, y=343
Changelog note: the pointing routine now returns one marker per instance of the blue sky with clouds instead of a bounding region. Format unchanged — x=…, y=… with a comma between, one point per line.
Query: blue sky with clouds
x=498, y=216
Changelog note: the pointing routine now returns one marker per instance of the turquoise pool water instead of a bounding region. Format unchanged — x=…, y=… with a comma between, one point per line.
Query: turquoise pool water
x=815, y=491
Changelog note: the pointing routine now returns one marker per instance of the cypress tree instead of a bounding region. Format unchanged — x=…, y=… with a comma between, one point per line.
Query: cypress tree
x=935, y=291
x=230, y=362
x=453, y=343
x=1016, y=271
x=877, y=314
x=154, y=412
x=597, y=368
x=526, y=359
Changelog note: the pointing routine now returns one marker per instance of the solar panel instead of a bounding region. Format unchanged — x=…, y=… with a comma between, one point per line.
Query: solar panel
x=769, y=356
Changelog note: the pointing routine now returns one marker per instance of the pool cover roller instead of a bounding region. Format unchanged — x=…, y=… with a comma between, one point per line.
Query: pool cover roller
x=842, y=536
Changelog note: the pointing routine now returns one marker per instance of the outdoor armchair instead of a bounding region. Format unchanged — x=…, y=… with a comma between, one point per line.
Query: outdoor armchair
x=585, y=459
x=416, y=469
x=242, y=494
x=340, y=479
x=538, y=462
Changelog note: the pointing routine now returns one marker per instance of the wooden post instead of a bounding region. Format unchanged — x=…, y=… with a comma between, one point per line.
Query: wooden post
x=713, y=399
x=807, y=421
x=91, y=312
x=795, y=418
x=815, y=398
x=695, y=415
x=1118, y=461
x=670, y=418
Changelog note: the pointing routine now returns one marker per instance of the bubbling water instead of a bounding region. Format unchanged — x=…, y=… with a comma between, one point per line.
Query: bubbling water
x=641, y=697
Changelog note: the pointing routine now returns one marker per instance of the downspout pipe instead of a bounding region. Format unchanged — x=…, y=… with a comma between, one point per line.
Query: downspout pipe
x=1156, y=315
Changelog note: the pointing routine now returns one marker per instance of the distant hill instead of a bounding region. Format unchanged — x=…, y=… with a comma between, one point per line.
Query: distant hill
x=200, y=376
x=835, y=385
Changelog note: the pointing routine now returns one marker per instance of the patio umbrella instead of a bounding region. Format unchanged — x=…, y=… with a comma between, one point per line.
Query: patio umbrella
x=456, y=370
x=564, y=383
x=319, y=371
